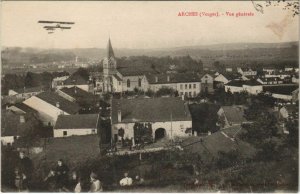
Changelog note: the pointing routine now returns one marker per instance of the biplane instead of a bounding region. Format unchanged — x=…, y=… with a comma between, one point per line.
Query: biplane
x=51, y=26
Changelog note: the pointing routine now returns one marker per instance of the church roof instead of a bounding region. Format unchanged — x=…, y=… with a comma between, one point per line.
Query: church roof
x=110, y=51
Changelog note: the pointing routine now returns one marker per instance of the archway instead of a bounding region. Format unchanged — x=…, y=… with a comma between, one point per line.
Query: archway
x=160, y=133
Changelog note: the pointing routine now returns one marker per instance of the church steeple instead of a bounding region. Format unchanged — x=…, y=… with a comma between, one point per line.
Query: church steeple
x=110, y=51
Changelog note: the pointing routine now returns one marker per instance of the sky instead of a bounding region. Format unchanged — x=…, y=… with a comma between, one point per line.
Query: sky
x=142, y=25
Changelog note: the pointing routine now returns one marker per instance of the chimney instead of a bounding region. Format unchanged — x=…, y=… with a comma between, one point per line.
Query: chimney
x=156, y=79
x=168, y=78
x=57, y=104
x=119, y=116
x=22, y=119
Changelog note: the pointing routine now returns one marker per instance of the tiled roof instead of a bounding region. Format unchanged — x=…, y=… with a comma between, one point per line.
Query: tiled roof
x=150, y=110
x=268, y=79
x=118, y=77
x=28, y=90
x=24, y=108
x=10, y=124
x=133, y=71
x=81, y=121
x=65, y=105
x=240, y=83
x=231, y=76
x=76, y=92
x=287, y=90
x=234, y=114
x=173, y=78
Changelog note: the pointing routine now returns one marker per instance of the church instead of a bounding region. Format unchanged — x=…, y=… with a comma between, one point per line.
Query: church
x=115, y=80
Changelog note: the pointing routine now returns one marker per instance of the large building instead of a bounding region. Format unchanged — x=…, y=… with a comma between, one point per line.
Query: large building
x=50, y=105
x=169, y=117
x=187, y=84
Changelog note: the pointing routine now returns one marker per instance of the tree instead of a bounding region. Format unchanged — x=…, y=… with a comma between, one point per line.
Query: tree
x=263, y=128
x=293, y=129
x=164, y=91
x=143, y=132
x=83, y=73
x=31, y=131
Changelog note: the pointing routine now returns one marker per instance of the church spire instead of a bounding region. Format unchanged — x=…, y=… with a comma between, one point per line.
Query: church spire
x=110, y=51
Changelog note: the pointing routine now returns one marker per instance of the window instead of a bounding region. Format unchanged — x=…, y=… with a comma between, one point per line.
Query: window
x=120, y=83
x=140, y=82
x=194, y=93
x=181, y=86
x=185, y=93
x=128, y=83
x=194, y=85
x=185, y=86
x=181, y=93
x=190, y=94
x=65, y=133
x=205, y=81
x=190, y=86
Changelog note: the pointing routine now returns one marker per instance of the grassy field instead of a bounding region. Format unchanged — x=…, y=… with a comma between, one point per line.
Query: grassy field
x=73, y=150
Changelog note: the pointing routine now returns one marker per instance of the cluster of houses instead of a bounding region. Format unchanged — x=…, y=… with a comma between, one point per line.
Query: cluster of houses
x=169, y=117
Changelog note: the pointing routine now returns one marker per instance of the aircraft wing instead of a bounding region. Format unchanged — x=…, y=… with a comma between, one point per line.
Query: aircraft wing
x=54, y=22
x=65, y=27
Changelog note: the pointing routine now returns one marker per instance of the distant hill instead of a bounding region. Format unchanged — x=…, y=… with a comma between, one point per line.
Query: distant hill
x=227, y=53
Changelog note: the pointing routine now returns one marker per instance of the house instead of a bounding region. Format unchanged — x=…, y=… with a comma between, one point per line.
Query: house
x=269, y=70
x=25, y=93
x=281, y=75
x=228, y=69
x=169, y=117
x=270, y=81
x=13, y=125
x=250, y=86
x=69, y=125
x=58, y=81
x=284, y=92
x=97, y=77
x=188, y=84
x=295, y=78
x=21, y=108
x=74, y=94
x=224, y=78
x=289, y=111
x=207, y=83
x=231, y=115
x=79, y=81
x=246, y=71
x=50, y=105
x=288, y=68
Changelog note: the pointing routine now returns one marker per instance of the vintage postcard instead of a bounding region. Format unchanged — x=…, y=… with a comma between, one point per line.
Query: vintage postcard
x=149, y=96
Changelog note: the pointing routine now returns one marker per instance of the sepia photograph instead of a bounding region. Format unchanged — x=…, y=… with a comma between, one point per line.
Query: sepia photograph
x=150, y=96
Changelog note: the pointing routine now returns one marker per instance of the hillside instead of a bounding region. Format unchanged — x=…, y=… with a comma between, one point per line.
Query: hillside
x=235, y=53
